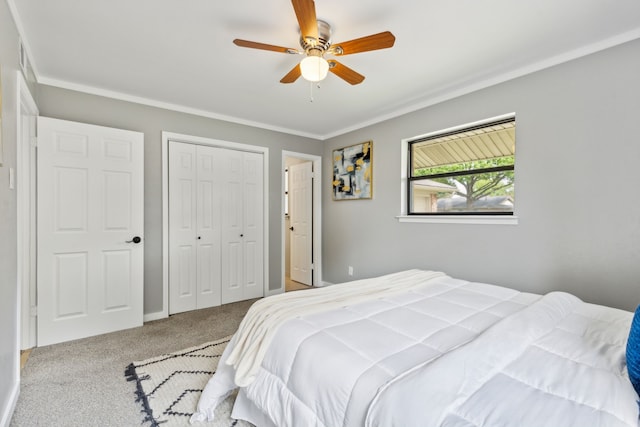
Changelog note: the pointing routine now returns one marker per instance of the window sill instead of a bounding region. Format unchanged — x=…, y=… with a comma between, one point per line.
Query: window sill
x=461, y=219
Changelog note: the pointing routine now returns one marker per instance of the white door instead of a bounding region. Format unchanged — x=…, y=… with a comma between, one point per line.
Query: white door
x=232, y=232
x=208, y=232
x=182, y=220
x=90, y=227
x=301, y=217
x=242, y=226
x=194, y=224
x=253, y=230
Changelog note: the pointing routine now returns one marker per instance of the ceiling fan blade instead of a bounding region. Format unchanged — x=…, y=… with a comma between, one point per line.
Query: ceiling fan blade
x=263, y=46
x=292, y=75
x=306, y=14
x=364, y=44
x=345, y=73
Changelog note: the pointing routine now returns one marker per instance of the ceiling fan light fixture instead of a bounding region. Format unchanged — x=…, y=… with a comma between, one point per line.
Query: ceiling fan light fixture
x=314, y=68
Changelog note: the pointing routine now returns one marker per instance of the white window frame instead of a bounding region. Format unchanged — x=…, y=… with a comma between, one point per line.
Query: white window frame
x=445, y=219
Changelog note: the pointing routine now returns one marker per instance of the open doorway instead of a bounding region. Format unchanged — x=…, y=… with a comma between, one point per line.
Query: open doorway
x=301, y=226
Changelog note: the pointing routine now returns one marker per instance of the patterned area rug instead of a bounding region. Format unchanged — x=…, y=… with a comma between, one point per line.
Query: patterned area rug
x=169, y=386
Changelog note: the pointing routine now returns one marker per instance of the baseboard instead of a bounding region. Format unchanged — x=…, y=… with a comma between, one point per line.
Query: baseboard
x=324, y=283
x=149, y=317
x=274, y=292
x=11, y=406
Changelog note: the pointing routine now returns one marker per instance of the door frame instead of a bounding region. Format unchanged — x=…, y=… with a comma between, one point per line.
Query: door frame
x=198, y=140
x=26, y=211
x=316, y=215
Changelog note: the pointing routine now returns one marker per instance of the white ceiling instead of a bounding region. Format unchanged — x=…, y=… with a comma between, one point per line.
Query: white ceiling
x=179, y=54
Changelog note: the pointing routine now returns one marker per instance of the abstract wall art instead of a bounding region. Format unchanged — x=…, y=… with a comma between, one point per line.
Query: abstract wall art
x=353, y=172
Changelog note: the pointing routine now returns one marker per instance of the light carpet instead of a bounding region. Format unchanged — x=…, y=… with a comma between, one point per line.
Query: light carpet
x=169, y=386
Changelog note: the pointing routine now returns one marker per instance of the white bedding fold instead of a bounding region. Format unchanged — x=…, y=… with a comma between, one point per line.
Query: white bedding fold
x=556, y=363
x=265, y=317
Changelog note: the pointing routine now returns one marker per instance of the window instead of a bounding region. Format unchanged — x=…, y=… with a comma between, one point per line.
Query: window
x=467, y=171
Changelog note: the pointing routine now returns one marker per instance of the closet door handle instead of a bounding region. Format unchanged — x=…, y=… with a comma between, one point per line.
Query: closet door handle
x=199, y=237
x=291, y=228
x=242, y=235
x=136, y=239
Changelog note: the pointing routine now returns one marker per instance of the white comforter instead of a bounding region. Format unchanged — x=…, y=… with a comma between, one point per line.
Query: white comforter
x=441, y=354
x=560, y=362
x=265, y=317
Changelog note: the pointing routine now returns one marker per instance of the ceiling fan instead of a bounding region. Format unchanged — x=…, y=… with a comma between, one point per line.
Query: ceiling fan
x=315, y=43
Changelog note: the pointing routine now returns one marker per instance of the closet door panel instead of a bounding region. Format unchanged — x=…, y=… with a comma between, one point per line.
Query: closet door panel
x=183, y=228
x=208, y=226
x=253, y=212
x=232, y=229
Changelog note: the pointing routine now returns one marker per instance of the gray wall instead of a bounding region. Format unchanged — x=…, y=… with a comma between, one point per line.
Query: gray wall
x=70, y=105
x=577, y=162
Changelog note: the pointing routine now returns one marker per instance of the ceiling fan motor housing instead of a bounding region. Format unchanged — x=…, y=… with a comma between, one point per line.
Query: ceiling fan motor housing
x=324, y=38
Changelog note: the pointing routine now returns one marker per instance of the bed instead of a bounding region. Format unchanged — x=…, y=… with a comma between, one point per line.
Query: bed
x=420, y=348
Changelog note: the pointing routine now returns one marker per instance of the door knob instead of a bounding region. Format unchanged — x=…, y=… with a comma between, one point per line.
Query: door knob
x=291, y=228
x=136, y=239
x=199, y=237
x=242, y=235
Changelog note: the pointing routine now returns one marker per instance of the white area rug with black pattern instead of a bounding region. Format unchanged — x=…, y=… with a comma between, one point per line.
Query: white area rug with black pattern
x=169, y=386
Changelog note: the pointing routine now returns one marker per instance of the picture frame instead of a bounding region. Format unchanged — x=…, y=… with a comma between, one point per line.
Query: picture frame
x=353, y=172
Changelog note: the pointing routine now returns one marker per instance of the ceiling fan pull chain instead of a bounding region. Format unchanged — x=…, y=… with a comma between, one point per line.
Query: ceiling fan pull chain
x=310, y=91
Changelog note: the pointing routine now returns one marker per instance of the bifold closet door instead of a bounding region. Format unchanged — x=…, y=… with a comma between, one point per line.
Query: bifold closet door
x=242, y=226
x=194, y=224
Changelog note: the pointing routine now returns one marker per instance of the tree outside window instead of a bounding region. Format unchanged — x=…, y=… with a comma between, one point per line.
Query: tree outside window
x=469, y=171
